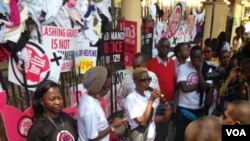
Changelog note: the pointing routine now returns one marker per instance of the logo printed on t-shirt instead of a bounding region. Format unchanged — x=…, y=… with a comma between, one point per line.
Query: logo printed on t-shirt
x=192, y=78
x=64, y=136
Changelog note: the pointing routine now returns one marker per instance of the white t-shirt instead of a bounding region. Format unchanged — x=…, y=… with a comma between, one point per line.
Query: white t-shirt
x=135, y=105
x=91, y=119
x=186, y=72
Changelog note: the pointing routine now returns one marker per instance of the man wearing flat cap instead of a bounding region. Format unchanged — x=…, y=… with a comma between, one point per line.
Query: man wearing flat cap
x=92, y=122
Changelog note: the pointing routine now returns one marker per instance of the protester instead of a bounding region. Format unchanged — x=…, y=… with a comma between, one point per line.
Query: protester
x=92, y=122
x=192, y=91
x=140, y=106
x=139, y=60
x=209, y=55
x=224, y=58
x=223, y=44
x=238, y=40
x=50, y=123
x=181, y=52
x=128, y=86
x=207, y=128
x=164, y=68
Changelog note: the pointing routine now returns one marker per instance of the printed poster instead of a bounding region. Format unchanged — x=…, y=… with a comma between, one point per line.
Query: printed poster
x=130, y=40
x=40, y=63
x=62, y=40
x=114, y=47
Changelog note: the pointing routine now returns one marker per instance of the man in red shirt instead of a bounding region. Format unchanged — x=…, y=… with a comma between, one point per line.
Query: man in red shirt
x=164, y=68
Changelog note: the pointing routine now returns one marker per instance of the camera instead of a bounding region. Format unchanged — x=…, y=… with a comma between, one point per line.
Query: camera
x=216, y=74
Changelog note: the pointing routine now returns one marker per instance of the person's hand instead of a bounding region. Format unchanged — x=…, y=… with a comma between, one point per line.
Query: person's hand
x=154, y=95
x=117, y=122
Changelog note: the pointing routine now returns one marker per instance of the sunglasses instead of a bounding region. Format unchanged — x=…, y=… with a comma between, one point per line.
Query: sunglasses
x=149, y=79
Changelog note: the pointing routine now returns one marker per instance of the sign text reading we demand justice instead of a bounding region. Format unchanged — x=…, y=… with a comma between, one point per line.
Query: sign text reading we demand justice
x=62, y=40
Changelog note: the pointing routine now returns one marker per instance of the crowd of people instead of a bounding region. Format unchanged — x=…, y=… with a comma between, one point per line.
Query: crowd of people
x=183, y=99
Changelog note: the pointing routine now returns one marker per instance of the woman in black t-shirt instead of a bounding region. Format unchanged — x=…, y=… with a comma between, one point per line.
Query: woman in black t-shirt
x=50, y=123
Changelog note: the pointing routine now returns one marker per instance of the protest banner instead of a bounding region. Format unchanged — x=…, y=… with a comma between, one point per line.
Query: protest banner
x=180, y=35
x=117, y=98
x=130, y=40
x=40, y=64
x=62, y=40
x=175, y=19
x=15, y=129
x=113, y=47
x=191, y=28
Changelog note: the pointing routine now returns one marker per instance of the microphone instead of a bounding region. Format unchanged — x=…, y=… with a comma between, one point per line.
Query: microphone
x=161, y=96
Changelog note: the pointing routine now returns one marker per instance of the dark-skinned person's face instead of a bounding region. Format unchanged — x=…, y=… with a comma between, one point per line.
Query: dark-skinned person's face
x=208, y=53
x=184, y=52
x=52, y=101
x=163, y=49
x=142, y=81
x=139, y=62
x=224, y=59
x=196, y=58
x=106, y=87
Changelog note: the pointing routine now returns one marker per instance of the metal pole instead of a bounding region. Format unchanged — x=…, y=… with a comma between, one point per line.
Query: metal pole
x=27, y=96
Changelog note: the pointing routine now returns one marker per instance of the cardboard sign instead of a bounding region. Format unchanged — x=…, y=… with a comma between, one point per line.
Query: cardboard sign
x=180, y=35
x=130, y=40
x=191, y=28
x=40, y=64
x=62, y=40
x=85, y=58
x=113, y=47
x=117, y=95
x=15, y=129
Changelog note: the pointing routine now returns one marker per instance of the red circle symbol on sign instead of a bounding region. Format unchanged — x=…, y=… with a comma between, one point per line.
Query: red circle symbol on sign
x=175, y=20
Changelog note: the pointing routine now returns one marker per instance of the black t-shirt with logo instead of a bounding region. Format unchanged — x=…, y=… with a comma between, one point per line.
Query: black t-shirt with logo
x=44, y=130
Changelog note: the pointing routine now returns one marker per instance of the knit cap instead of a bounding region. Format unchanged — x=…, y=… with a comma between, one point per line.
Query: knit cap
x=94, y=79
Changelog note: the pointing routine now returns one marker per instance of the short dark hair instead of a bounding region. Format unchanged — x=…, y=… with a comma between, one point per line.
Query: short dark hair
x=207, y=41
x=177, y=48
x=163, y=40
x=195, y=48
x=41, y=89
